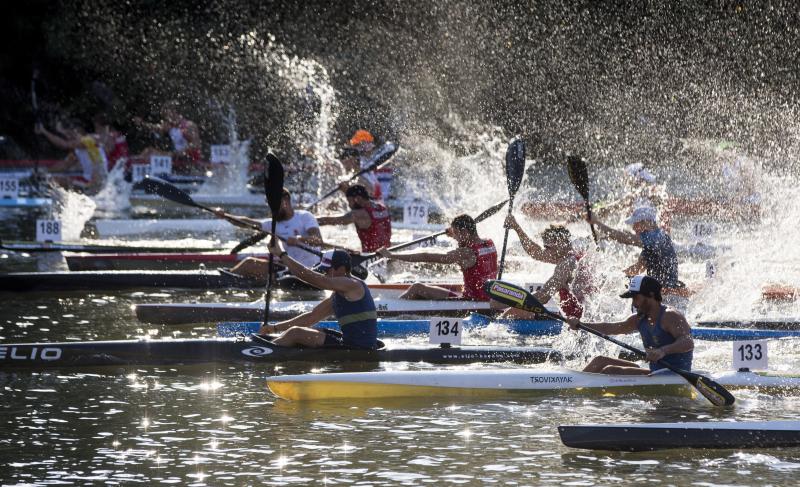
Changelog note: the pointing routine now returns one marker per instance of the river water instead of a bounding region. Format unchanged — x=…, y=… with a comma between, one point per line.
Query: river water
x=218, y=424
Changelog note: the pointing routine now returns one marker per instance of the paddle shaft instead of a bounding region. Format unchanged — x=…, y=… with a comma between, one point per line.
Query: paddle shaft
x=372, y=167
x=273, y=190
x=505, y=241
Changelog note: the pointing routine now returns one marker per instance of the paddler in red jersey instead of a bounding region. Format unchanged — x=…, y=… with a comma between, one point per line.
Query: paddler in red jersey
x=665, y=333
x=371, y=219
x=570, y=279
x=184, y=135
x=476, y=257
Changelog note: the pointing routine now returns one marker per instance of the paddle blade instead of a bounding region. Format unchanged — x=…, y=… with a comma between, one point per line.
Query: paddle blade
x=165, y=190
x=515, y=296
x=579, y=175
x=273, y=184
x=715, y=393
x=515, y=165
x=491, y=211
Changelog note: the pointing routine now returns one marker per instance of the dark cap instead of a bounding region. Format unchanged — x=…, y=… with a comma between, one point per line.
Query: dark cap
x=357, y=190
x=333, y=259
x=642, y=284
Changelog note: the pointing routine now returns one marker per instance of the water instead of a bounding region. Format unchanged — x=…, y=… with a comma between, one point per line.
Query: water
x=452, y=83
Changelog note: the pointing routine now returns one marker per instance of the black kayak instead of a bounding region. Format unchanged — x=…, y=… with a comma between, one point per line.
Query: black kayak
x=123, y=280
x=94, y=248
x=663, y=436
x=193, y=351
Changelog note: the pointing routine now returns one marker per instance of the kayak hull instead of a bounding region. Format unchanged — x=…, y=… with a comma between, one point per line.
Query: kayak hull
x=153, y=261
x=247, y=349
x=662, y=436
x=502, y=382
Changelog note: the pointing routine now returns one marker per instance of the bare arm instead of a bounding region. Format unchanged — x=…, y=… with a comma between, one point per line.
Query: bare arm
x=313, y=237
x=676, y=325
x=560, y=279
x=532, y=248
x=345, y=219
x=244, y=222
x=635, y=269
x=311, y=318
x=347, y=286
x=611, y=328
x=58, y=141
x=628, y=238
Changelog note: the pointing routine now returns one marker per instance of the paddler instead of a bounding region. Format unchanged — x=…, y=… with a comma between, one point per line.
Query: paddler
x=351, y=303
x=569, y=280
x=363, y=153
x=371, y=219
x=665, y=332
x=475, y=256
x=184, y=135
x=294, y=225
x=657, y=259
x=87, y=156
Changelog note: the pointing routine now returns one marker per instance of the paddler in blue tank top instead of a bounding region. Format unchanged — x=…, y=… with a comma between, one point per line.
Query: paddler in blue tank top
x=657, y=259
x=665, y=333
x=351, y=303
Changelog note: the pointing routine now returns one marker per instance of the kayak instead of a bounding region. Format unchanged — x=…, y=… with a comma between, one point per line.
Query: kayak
x=18, y=246
x=188, y=313
x=684, y=207
x=755, y=323
x=543, y=327
x=22, y=202
x=237, y=200
x=154, y=261
x=662, y=436
x=504, y=382
x=123, y=280
x=191, y=351
x=404, y=328
x=131, y=227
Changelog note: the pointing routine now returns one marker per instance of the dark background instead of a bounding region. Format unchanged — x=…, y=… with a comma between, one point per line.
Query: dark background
x=614, y=80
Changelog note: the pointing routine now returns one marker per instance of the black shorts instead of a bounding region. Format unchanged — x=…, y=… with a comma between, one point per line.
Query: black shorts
x=333, y=338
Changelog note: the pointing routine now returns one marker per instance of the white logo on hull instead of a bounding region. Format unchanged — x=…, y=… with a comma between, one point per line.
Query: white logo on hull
x=256, y=351
x=32, y=353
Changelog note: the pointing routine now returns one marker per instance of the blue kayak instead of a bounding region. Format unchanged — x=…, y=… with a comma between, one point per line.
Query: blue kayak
x=24, y=202
x=395, y=328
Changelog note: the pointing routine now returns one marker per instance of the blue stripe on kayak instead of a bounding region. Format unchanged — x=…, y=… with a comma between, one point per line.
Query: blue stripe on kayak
x=414, y=327
x=24, y=202
x=521, y=327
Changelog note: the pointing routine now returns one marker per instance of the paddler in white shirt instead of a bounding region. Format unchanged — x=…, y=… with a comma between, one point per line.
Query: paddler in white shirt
x=296, y=226
x=665, y=333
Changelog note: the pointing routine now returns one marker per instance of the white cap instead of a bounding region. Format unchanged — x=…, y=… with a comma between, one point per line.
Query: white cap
x=637, y=170
x=643, y=213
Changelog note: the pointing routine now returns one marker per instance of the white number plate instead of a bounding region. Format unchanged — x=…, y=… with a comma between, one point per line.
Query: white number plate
x=9, y=187
x=139, y=171
x=220, y=153
x=445, y=330
x=415, y=214
x=48, y=231
x=750, y=354
x=703, y=230
x=160, y=165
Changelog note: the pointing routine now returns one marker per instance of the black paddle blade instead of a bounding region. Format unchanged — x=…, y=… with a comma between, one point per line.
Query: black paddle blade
x=579, y=175
x=515, y=165
x=165, y=190
x=514, y=296
x=273, y=184
x=491, y=211
x=715, y=393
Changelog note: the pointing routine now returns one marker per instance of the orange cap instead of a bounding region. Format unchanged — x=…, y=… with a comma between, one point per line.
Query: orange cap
x=361, y=136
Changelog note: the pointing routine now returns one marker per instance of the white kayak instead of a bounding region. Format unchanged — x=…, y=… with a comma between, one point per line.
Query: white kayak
x=129, y=227
x=234, y=200
x=186, y=313
x=502, y=382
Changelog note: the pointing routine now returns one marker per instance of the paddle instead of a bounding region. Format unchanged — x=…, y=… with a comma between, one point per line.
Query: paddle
x=174, y=194
x=382, y=159
x=273, y=187
x=515, y=170
x=37, y=119
x=359, y=259
x=579, y=175
x=519, y=298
